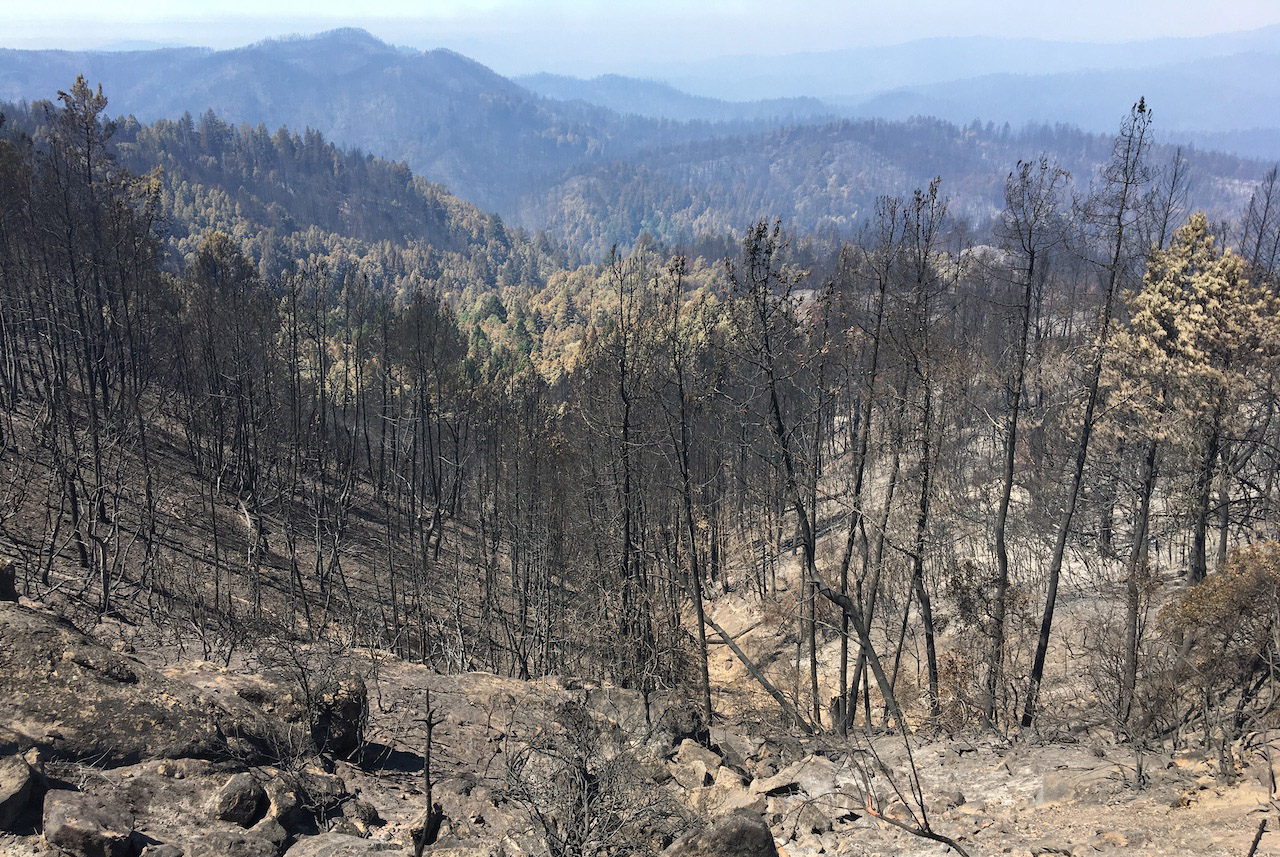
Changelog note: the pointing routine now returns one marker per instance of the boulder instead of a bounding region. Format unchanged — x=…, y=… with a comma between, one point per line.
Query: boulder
x=742, y=834
x=691, y=775
x=338, y=716
x=1079, y=784
x=84, y=826
x=338, y=845
x=272, y=831
x=220, y=843
x=66, y=694
x=241, y=801
x=671, y=720
x=18, y=782
x=8, y=580
x=362, y=815
x=284, y=805
x=162, y=849
x=691, y=751
x=321, y=793
x=727, y=795
x=736, y=749
x=812, y=775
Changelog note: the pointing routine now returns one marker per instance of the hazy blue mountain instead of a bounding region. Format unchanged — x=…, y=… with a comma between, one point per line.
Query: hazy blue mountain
x=859, y=73
x=629, y=95
x=1216, y=94
x=1260, y=143
x=452, y=119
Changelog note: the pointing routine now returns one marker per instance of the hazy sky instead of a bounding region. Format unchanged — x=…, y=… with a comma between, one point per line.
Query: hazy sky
x=590, y=36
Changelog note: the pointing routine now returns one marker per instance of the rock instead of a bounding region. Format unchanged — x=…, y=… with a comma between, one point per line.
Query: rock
x=812, y=775
x=692, y=751
x=739, y=835
x=285, y=807
x=1108, y=839
x=338, y=845
x=272, y=831
x=735, y=748
x=346, y=826
x=65, y=693
x=164, y=849
x=1074, y=784
x=727, y=795
x=362, y=815
x=1048, y=849
x=17, y=785
x=673, y=720
x=339, y=715
x=321, y=793
x=241, y=801
x=84, y=826
x=220, y=843
x=691, y=775
x=808, y=818
x=8, y=580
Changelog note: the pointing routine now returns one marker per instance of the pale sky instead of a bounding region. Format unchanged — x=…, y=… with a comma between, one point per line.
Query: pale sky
x=591, y=36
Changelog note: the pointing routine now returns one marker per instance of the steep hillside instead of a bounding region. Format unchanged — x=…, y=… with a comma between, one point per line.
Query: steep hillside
x=827, y=178
x=286, y=197
x=299, y=561
x=656, y=99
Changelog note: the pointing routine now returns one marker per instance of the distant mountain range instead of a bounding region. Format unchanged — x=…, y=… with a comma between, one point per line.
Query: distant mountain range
x=1220, y=91
x=601, y=161
x=858, y=74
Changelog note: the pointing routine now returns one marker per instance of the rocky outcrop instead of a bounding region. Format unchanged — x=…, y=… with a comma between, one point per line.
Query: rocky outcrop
x=65, y=693
x=8, y=580
x=742, y=834
x=83, y=825
x=338, y=716
x=18, y=783
x=241, y=801
x=338, y=845
x=223, y=843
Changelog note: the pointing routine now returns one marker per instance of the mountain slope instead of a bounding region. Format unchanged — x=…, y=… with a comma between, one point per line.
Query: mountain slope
x=597, y=178
x=627, y=95
x=453, y=120
x=828, y=177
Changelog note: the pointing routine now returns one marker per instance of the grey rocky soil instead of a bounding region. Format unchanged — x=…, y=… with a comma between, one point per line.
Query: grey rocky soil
x=126, y=758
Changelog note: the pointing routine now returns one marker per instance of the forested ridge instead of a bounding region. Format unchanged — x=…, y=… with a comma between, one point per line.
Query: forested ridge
x=273, y=390
x=588, y=175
